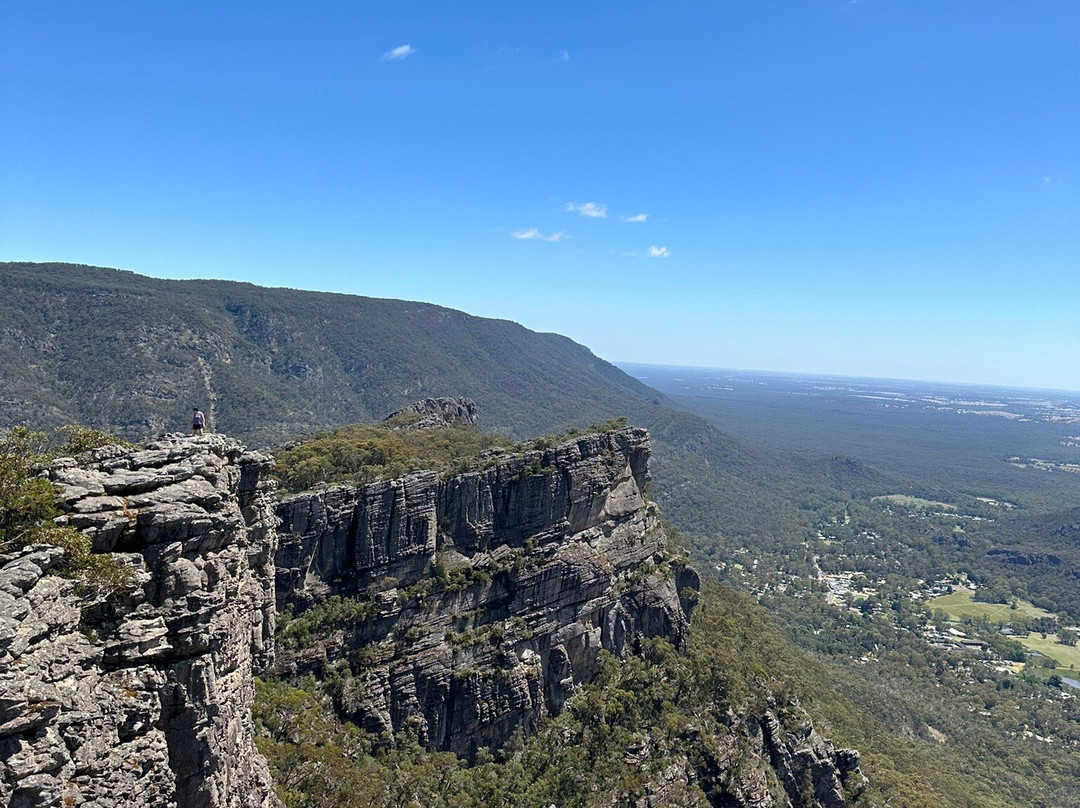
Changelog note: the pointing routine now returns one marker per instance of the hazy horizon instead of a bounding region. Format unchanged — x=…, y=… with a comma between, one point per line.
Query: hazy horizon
x=624, y=364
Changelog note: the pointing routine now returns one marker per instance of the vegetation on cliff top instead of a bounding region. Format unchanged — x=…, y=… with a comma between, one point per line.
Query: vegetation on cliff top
x=28, y=503
x=361, y=453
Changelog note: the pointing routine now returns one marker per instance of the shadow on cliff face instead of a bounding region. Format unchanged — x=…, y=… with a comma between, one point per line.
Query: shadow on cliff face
x=487, y=596
x=145, y=697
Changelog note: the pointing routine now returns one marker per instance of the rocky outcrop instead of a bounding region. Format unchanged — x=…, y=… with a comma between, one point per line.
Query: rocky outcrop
x=143, y=697
x=460, y=612
x=776, y=760
x=811, y=770
x=1029, y=559
x=488, y=596
x=432, y=413
x=70, y=732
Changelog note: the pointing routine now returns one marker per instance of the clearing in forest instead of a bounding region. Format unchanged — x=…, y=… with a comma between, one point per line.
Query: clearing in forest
x=960, y=604
x=906, y=501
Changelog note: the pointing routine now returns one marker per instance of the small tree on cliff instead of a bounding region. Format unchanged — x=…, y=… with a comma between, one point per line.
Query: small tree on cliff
x=28, y=505
x=27, y=500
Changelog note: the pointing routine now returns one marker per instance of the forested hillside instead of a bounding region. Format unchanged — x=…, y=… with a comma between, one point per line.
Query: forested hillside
x=132, y=355
x=114, y=349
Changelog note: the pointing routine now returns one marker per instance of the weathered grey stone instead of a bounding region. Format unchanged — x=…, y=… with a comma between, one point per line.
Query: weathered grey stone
x=89, y=481
x=21, y=571
x=433, y=413
x=492, y=595
x=145, y=698
x=105, y=529
x=122, y=481
x=95, y=504
x=552, y=552
x=799, y=755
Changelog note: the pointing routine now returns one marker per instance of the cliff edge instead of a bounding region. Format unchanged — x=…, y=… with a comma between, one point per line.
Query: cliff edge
x=457, y=611
x=487, y=596
x=143, y=697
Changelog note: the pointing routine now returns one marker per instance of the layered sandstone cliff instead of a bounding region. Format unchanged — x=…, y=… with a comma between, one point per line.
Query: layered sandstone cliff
x=460, y=612
x=143, y=697
x=488, y=596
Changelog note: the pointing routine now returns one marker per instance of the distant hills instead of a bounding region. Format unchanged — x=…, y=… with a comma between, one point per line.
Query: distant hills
x=133, y=355
x=115, y=350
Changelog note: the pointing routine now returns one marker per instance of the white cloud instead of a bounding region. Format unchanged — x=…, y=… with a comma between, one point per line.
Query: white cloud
x=637, y=217
x=659, y=252
x=399, y=53
x=564, y=56
x=593, y=210
x=533, y=233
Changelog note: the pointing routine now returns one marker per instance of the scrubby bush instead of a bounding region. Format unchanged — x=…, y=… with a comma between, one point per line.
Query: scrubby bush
x=79, y=439
x=363, y=453
x=28, y=505
x=27, y=499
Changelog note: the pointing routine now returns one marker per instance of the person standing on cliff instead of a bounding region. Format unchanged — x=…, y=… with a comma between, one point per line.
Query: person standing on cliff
x=198, y=421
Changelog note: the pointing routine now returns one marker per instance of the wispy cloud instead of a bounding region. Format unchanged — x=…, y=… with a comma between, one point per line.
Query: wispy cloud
x=637, y=217
x=533, y=233
x=594, y=210
x=564, y=56
x=399, y=53
x=659, y=252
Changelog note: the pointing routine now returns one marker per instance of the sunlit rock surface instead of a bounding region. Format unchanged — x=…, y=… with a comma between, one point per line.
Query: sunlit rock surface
x=143, y=697
x=492, y=593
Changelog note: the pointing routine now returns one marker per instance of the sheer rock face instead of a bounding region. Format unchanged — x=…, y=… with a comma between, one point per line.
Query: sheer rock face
x=144, y=698
x=491, y=593
x=485, y=599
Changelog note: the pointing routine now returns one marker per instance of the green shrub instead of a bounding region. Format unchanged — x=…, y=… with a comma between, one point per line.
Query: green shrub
x=28, y=505
x=79, y=439
x=363, y=453
x=333, y=614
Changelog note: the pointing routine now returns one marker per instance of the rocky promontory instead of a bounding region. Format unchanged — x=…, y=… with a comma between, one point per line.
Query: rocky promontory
x=143, y=697
x=487, y=596
x=432, y=413
x=455, y=610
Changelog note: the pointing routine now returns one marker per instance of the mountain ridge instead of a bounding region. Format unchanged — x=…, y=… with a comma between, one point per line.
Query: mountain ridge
x=115, y=349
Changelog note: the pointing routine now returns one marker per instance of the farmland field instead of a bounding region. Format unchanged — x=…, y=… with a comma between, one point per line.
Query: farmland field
x=959, y=604
x=1067, y=656
x=915, y=502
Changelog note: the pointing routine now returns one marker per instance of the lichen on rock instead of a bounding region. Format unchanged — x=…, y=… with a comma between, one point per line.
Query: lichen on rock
x=143, y=698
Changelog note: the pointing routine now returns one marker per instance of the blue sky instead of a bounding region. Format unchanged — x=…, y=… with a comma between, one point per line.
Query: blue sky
x=882, y=188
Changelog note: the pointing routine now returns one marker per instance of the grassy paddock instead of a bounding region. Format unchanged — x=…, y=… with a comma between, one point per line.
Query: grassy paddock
x=914, y=502
x=1068, y=657
x=959, y=605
